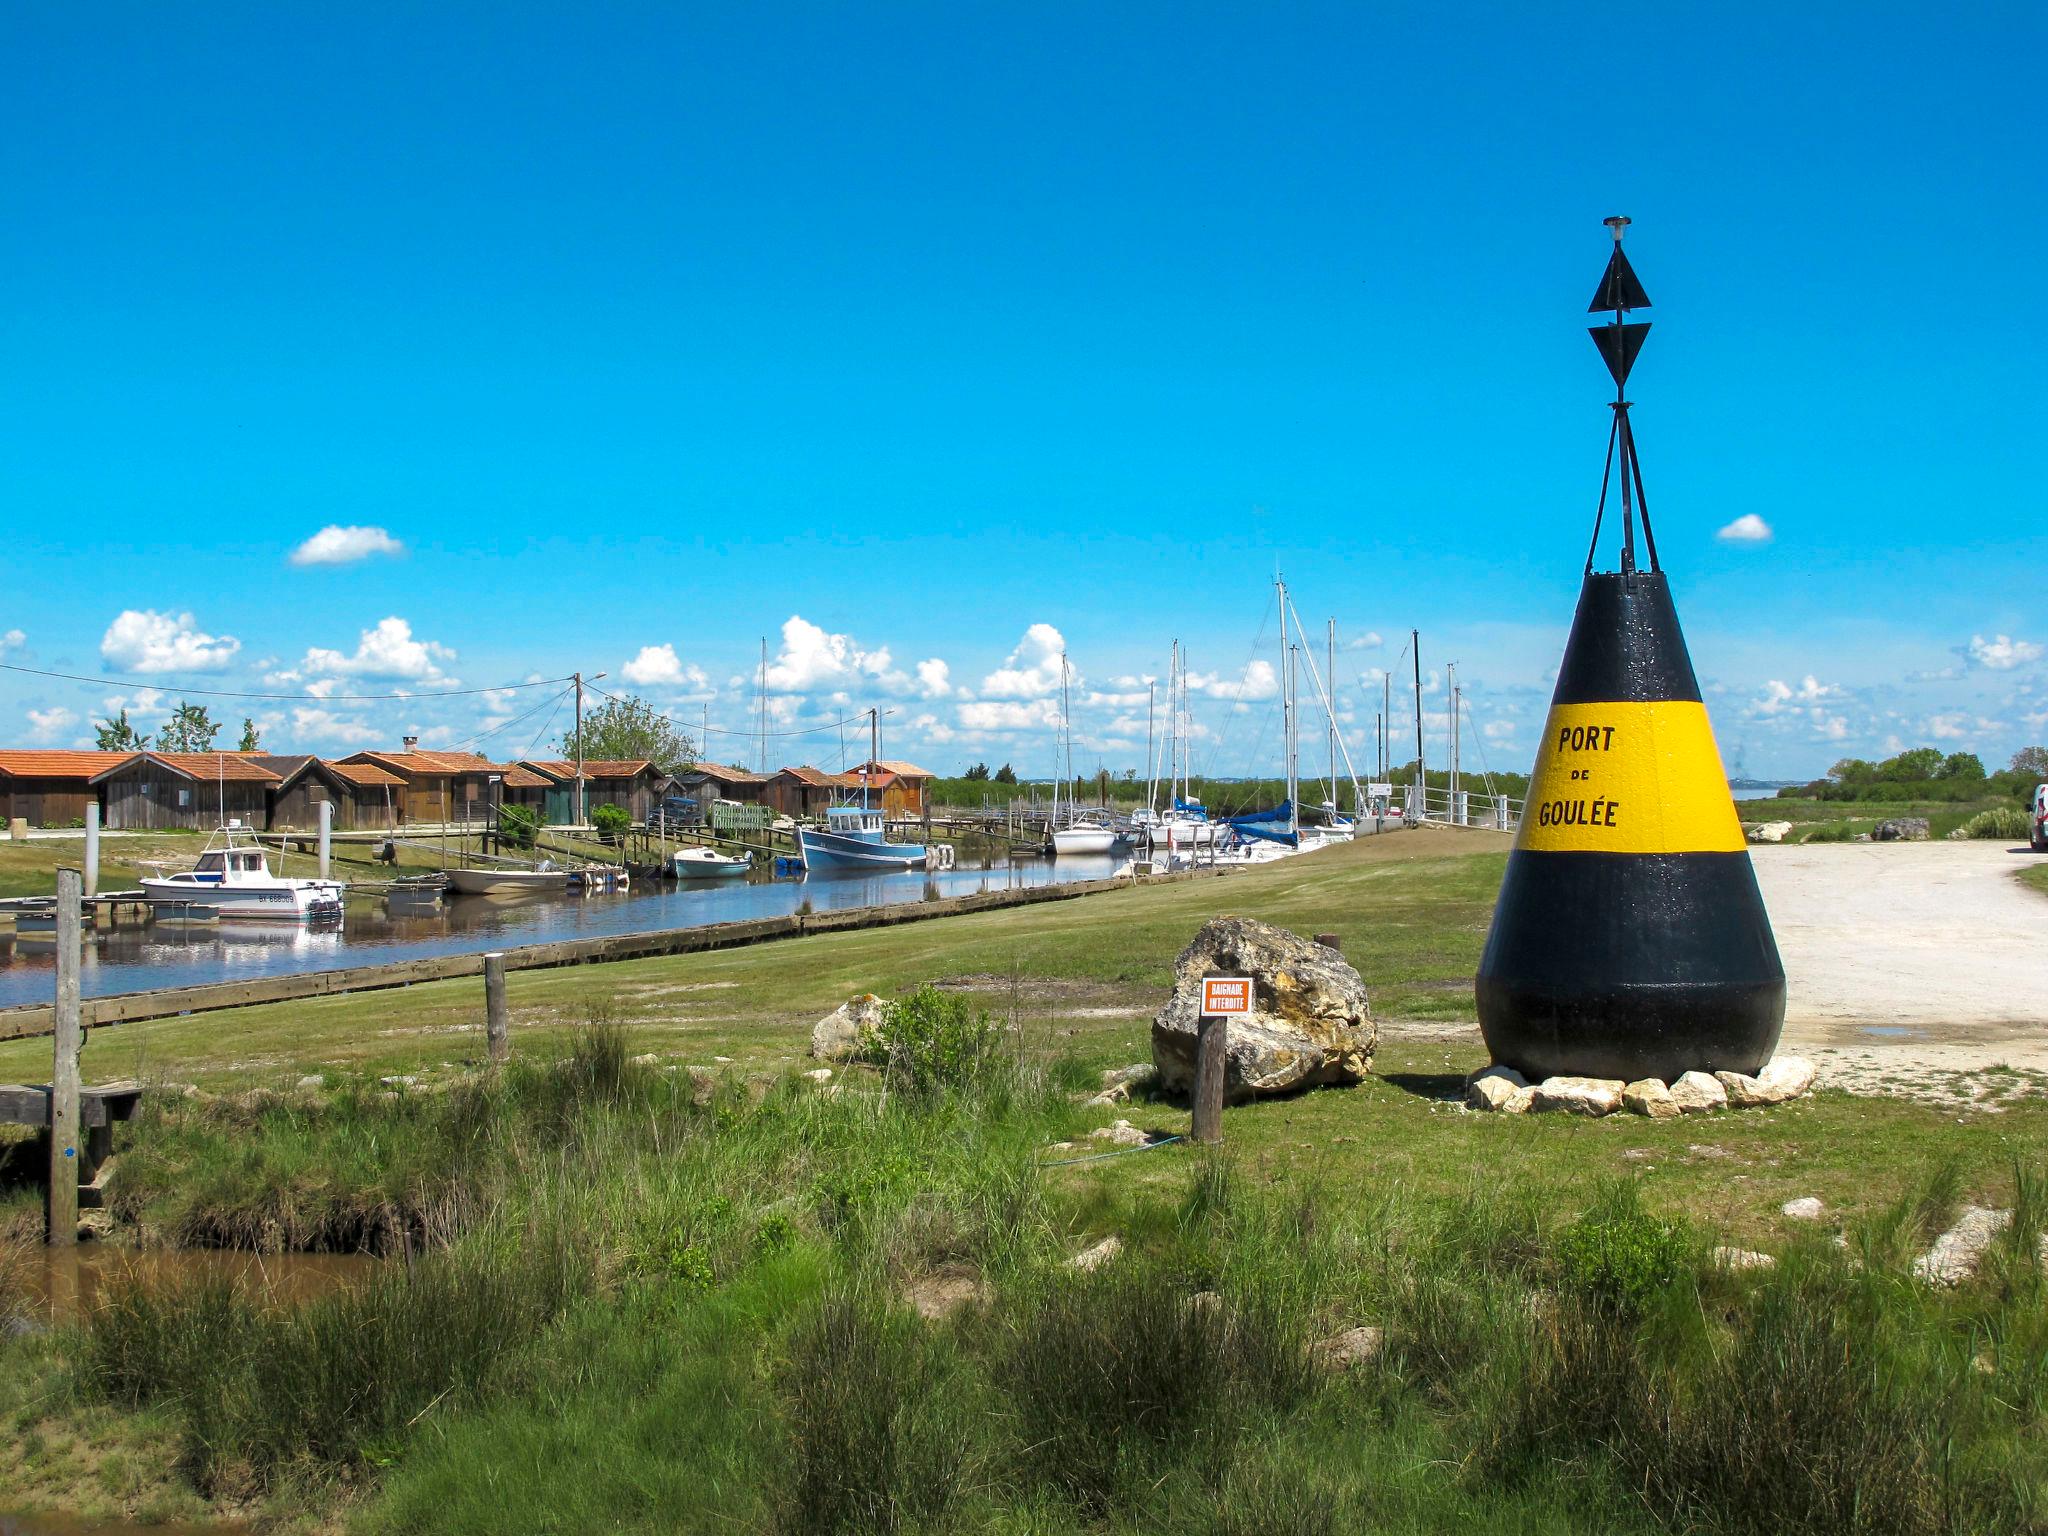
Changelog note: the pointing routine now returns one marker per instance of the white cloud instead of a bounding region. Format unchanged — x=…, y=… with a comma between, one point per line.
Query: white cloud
x=336, y=545
x=1499, y=730
x=1779, y=697
x=1369, y=641
x=1951, y=727
x=933, y=678
x=143, y=640
x=1033, y=668
x=1007, y=715
x=13, y=640
x=325, y=725
x=2002, y=653
x=1746, y=529
x=1259, y=681
x=49, y=724
x=388, y=651
x=813, y=658
x=658, y=666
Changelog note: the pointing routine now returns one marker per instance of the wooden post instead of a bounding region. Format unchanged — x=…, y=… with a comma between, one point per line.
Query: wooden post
x=1211, y=1037
x=495, y=1025
x=1330, y=941
x=62, y=1207
x=92, y=849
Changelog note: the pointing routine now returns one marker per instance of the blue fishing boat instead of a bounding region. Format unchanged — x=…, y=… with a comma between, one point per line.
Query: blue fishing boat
x=854, y=836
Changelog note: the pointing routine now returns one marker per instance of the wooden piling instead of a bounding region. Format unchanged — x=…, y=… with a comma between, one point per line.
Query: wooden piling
x=496, y=1026
x=62, y=1207
x=1330, y=941
x=1211, y=1038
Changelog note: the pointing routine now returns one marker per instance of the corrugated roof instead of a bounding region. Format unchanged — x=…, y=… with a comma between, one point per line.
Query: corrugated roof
x=429, y=762
x=209, y=766
x=60, y=764
x=593, y=768
x=724, y=774
x=367, y=775
x=901, y=769
x=518, y=776
x=817, y=778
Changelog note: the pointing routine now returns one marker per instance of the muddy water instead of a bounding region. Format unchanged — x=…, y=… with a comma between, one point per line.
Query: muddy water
x=63, y=1285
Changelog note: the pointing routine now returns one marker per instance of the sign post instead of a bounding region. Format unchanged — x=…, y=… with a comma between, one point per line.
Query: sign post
x=1223, y=997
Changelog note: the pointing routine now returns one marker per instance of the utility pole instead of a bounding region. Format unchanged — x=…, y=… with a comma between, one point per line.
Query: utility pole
x=761, y=708
x=1421, y=779
x=1454, y=740
x=579, y=808
x=1386, y=722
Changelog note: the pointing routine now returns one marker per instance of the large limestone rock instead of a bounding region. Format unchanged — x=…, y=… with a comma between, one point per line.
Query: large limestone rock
x=1649, y=1096
x=1578, y=1095
x=1783, y=1078
x=847, y=1031
x=1499, y=1090
x=1699, y=1093
x=1769, y=831
x=1900, y=829
x=1309, y=1025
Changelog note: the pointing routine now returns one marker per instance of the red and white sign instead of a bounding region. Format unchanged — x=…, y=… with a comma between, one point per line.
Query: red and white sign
x=1226, y=995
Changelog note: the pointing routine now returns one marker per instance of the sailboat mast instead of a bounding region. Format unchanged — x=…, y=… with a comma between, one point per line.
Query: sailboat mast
x=874, y=755
x=1421, y=782
x=1151, y=755
x=1330, y=676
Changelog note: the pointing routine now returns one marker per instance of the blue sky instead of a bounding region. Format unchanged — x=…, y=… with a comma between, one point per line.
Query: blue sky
x=924, y=340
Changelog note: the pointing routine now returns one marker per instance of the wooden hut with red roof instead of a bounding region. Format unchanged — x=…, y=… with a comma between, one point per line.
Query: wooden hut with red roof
x=807, y=791
x=903, y=790
x=52, y=789
x=195, y=790
x=365, y=798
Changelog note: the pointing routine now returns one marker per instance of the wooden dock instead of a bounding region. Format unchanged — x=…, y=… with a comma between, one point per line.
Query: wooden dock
x=99, y=1108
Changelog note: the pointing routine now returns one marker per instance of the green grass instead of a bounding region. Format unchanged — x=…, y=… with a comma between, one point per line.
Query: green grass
x=622, y=1296
x=1841, y=820
x=2036, y=876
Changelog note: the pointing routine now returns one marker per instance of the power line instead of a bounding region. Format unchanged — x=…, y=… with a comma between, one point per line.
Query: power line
x=288, y=698
x=720, y=730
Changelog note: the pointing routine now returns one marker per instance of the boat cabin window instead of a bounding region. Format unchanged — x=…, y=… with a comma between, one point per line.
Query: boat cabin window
x=853, y=818
x=209, y=864
x=248, y=861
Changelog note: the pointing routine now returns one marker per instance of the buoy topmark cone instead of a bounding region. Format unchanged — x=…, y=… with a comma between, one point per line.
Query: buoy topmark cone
x=1630, y=939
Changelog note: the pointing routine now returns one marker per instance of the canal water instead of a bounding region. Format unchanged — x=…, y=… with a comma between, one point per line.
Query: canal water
x=142, y=956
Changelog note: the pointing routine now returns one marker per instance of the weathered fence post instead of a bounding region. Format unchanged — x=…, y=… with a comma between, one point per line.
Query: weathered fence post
x=92, y=849
x=1211, y=1036
x=495, y=1025
x=62, y=1206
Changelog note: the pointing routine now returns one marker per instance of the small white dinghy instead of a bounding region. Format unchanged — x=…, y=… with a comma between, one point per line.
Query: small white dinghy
x=708, y=863
x=235, y=879
x=507, y=882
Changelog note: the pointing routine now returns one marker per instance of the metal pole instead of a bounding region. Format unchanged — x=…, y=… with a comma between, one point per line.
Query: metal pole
x=1211, y=1044
x=579, y=808
x=1453, y=674
x=62, y=1206
x=326, y=828
x=1421, y=779
x=92, y=849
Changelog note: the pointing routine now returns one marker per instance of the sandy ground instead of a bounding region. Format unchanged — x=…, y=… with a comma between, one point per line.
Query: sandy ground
x=1918, y=961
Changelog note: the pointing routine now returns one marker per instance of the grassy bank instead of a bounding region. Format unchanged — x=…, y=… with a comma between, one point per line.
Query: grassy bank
x=619, y=1295
x=1829, y=820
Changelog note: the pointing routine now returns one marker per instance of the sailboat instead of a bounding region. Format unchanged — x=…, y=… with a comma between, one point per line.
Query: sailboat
x=855, y=836
x=1184, y=825
x=1086, y=830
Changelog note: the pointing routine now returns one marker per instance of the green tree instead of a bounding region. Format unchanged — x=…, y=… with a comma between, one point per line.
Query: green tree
x=190, y=729
x=610, y=821
x=1006, y=774
x=1910, y=767
x=1853, y=770
x=626, y=728
x=117, y=735
x=977, y=774
x=252, y=739
x=2031, y=763
x=1963, y=766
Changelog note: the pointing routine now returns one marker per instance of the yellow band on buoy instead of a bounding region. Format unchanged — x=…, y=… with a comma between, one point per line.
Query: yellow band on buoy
x=1629, y=778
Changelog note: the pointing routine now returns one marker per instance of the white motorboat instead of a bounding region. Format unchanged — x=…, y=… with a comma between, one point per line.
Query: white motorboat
x=1083, y=837
x=708, y=864
x=234, y=879
x=506, y=882
x=1183, y=829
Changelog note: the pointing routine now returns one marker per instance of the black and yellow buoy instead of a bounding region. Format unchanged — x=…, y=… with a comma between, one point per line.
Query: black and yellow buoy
x=1630, y=939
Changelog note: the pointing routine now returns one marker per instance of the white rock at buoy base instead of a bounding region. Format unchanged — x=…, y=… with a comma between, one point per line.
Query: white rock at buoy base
x=1498, y=1090
x=1698, y=1093
x=1649, y=1096
x=1578, y=1095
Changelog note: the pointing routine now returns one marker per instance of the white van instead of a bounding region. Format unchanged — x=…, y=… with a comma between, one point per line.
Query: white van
x=2038, y=832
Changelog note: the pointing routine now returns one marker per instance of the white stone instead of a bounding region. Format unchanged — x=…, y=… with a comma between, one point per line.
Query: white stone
x=1090, y=1259
x=849, y=1030
x=649, y=1059
x=1807, y=1209
x=1136, y=1075
x=1769, y=832
x=1782, y=1078
x=1578, y=1095
x=1697, y=1093
x=1496, y=1090
x=1958, y=1251
x=820, y=1075
x=313, y=1080
x=1649, y=1096
x=1120, y=1133
x=1739, y=1260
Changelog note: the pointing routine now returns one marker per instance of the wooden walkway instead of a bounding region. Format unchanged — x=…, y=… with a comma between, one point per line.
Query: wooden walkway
x=99, y=1108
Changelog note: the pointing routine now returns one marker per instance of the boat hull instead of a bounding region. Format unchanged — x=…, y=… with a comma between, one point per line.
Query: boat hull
x=1077, y=840
x=837, y=850
x=708, y=869
x=1182, y=834
x=501, y=882
x=283, y=903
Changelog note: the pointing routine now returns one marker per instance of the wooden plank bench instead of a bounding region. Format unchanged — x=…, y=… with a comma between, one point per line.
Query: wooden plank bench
x=99, y=1107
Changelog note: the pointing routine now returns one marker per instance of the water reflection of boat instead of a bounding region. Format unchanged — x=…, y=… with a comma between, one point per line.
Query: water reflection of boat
x=235, y=879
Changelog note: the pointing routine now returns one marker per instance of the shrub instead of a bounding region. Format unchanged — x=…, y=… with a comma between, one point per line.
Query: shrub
x=1619, y=1256
x=935, y=1040
x=518, y=825
x=610, y=820
x=2002, y=822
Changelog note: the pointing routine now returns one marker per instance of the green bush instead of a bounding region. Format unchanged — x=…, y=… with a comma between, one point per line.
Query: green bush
x=1619, y=1256
x=933, y=1040
x=2001, y=822
x=610, y=820
x=518, y=825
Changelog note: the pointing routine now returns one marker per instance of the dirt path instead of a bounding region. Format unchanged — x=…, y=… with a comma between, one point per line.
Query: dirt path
x=1926, y=959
